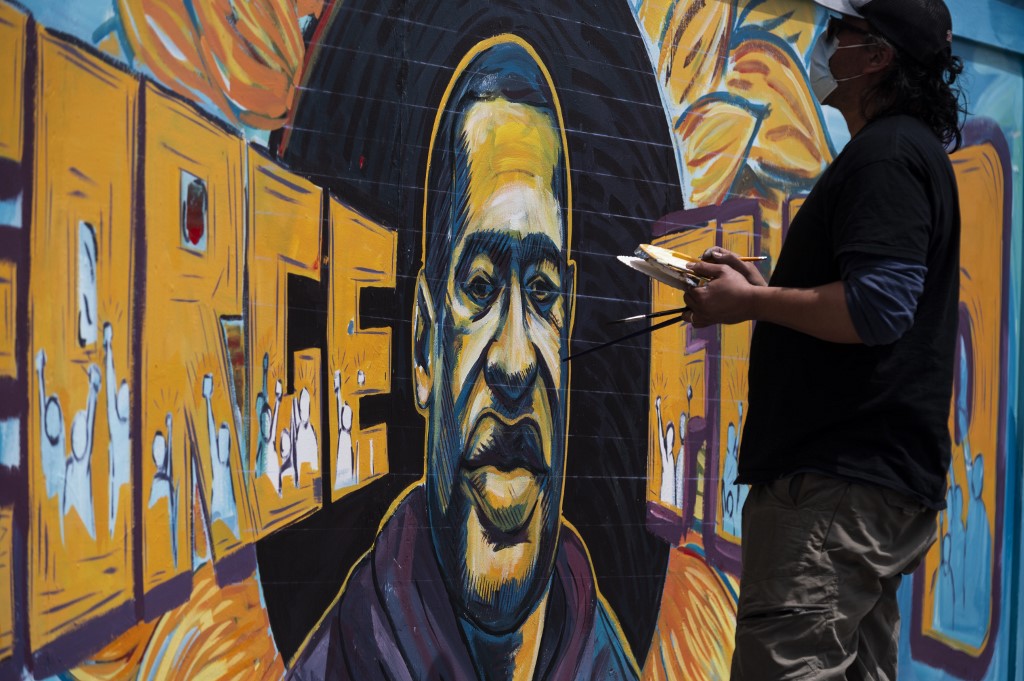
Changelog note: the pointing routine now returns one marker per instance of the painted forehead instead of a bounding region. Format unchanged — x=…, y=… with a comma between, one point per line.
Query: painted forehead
x=513, y=150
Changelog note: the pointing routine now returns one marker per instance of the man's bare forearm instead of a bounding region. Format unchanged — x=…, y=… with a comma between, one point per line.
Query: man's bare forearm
x=820, y=311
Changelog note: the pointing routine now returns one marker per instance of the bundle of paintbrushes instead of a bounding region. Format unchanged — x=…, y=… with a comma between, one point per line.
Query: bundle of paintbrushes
x=665, y=266
x=668, y=267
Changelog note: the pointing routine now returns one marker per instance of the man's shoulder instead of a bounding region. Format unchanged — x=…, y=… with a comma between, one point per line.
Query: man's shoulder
x=899, y=139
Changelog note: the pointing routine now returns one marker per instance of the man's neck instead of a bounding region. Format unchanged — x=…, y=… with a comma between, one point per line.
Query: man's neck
x=857, y=109
x=511, y=656
x=854, y=122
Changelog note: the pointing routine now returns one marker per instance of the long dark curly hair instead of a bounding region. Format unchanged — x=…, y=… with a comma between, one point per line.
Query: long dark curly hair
x=927, y=91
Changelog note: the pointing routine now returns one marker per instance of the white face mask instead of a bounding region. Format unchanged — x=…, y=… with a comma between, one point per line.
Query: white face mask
x=823, y=83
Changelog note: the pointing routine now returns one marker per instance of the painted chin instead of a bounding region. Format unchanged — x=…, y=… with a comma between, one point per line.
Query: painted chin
x=503, y=572
x=504, y=501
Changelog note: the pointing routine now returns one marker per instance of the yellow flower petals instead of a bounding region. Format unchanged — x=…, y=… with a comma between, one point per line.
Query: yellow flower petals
x=243, y=55
x=715, y=136
x=694, y=48
x=794, y=22
x=790, y=148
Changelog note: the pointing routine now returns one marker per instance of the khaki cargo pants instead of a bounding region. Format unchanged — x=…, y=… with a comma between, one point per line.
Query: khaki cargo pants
x=822, y=559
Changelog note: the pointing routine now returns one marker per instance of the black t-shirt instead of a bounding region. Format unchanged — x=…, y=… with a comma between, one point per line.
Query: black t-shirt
x=870, y=414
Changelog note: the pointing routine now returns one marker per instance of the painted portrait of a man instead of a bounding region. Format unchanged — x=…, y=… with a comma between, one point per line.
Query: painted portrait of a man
x=508, y=159
x=475, y=572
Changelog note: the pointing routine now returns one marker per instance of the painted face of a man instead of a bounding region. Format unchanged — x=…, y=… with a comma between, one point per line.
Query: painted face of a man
x=498, y=398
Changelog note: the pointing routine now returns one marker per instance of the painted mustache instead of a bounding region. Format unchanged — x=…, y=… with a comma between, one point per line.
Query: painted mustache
x=506, y=446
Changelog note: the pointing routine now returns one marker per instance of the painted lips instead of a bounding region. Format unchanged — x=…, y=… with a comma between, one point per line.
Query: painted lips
x=504, y=473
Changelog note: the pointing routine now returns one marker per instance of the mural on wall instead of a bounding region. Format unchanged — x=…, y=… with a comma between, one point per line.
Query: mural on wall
x=285, y=292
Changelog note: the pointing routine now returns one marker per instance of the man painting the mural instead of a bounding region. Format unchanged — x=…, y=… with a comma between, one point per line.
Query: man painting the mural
x=475, y=574
x=847, y=443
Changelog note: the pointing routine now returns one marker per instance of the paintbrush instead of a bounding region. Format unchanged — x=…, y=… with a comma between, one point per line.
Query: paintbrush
x=681, y=260
x=649, y=329
x=652, y=315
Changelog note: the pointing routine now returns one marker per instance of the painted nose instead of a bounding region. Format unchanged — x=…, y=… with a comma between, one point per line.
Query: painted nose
x=512, y=358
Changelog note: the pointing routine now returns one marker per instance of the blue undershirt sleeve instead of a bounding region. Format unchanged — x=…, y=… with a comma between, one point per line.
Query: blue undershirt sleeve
x=881, y=294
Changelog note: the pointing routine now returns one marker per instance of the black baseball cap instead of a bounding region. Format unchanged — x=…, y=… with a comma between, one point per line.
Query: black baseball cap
x=919, y=28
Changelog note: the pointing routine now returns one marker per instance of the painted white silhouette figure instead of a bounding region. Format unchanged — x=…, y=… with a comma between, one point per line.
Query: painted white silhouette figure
x=287, y=458
x=666, y=441
x=222, y=506
x=306, y=448
x=680, y=459
x=78, y=470
x=734, y=495
x=118, y=424
x=343, y=473
x=680, y=477
x=730, y=490
x=87, y=251
x=163, y=482
x=271, y=461
x=54, y=453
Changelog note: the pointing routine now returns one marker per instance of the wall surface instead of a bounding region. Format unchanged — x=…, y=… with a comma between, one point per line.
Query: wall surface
x=234, y=351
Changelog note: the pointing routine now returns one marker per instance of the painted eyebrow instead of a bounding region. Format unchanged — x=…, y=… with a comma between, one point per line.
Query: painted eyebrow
x=538, y=248
x=499, y=247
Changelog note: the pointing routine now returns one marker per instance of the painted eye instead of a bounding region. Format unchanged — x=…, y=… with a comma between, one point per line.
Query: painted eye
x=480, y=289
x=542, y=292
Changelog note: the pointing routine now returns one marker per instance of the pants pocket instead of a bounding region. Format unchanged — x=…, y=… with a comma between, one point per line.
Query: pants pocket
x=785, y=631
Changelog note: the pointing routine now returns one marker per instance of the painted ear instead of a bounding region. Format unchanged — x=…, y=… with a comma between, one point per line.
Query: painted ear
x=423, y=320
